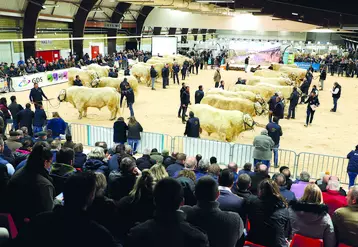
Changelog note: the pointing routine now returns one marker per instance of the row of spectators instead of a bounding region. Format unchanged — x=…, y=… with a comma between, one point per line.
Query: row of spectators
x=111, y=198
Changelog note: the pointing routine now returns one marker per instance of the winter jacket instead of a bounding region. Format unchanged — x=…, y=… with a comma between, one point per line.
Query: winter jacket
x=165, y=72
x=333, y=200
x=287, y=194
x=153, y=73
x=313, y=221
x=217, y=76
x=15, y=108
x=39, y=118
x=274, y=131
x=96, y=165
x=120, y=132
x=294, y=97
x=228, y=201
x=157, y=157
x=57, y=125
x=25, y=118
x=185, y=98
x=120, y=184
x=299, y=188
x=80, y=159
x=263, y=147
x=199, y=95
x=134, y=131
x=279, y=109
x=272, y=103
x=174, y=168
x=345, y=221
x=13, y=143
x=59, y=173
x=353, y=161
x=323, y=75
x=145, y=162
x=130, y=96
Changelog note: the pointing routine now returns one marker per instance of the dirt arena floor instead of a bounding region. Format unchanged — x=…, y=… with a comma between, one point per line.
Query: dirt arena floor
x=331, y=133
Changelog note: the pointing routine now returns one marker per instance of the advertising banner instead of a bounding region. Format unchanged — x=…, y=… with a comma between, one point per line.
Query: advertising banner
x=258, y=55
x=26, y=82
x=306, y=65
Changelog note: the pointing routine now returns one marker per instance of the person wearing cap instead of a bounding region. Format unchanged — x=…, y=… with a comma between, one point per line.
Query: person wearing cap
x=40, y=118
x=36, y=95
x=41, y=136
x=13, y=142
x=313, y=103
x=263, y=145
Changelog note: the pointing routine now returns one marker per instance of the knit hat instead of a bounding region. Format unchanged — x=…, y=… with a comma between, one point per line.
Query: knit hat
x=165, y=152
x=41, y=134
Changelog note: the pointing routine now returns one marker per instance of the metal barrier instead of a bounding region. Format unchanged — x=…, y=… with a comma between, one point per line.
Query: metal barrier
x=207, y=148
x=315, y=164
x=80, y=133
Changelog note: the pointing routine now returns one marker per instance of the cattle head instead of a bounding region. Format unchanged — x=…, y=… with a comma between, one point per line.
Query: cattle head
x=62, y=95
x=248, y=122
x=94, y=82
x=258, y=108
x=260, y=99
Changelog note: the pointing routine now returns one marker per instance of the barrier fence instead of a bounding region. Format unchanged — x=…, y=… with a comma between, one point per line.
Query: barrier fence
x=225, y=152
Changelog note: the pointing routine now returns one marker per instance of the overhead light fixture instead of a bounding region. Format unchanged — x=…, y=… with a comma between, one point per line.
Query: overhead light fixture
x=247, y=10
x=215, y=1
x=294, y=13
x=50, y=6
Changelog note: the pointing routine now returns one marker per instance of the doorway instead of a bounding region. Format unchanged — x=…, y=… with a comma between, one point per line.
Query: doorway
x=94, y=51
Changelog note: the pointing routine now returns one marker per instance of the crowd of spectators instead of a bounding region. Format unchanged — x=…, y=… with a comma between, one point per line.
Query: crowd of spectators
x=110, y=197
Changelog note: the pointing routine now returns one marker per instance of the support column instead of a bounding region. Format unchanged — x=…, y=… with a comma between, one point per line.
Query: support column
x=195, y=33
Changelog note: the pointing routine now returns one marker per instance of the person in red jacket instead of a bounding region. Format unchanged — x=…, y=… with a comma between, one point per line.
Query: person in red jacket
x=332, y=197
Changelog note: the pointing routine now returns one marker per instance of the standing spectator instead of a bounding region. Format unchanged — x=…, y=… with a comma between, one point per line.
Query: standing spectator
x=25, y=117
x=293, y=104
x=217, y=77
x=260, y=174
x=280, y=180
x=36, y=95
x=145, y=162
x=78, y=195
x=31, y=190
x=57, y=125
x=312, y=104
x=192, y=128
x=177, y=166
x=345, y=219
x=352, y=168
x=176, y=70
x=199, y=95
x=168, y=222
x=69, y=143
x=185, y=102
x=134, y=130
x=197, y=63
x=122, y=89
x=263, y=145
x=182, y=90
x=279, y=109
x=184, y=69
x=130, y=99
x=268, y=216
x=322, y=77
x=40, y=118
x=299, y=187
x=120, y=129
x=247, y=61
x=14, y=109
x=304, y=88
x=165, y=75
x=275, y=132
x=6, y=113
x=310, y=218
x=332, y=197
x=153, y=76
x=272, y=103
x=80, y=157
x=336, y=94
x=224, y=229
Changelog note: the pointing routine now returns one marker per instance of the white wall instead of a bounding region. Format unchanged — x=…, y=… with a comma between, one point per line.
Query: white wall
x=159, y=17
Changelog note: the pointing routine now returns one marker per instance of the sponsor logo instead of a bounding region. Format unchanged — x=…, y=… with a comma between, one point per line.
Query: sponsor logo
x=24, y=82
x=37, y=80
x=50, y=77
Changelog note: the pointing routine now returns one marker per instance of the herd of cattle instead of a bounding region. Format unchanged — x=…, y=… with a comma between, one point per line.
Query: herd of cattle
x=224, y=112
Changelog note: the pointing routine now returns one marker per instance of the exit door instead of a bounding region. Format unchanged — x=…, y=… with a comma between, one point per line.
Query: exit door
x=94, y=51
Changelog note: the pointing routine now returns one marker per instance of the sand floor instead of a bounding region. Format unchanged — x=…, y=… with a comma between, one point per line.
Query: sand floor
x=331, y=133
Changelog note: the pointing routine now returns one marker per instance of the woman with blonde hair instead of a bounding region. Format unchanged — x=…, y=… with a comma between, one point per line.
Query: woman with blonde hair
x=158, y=172
x=309, y=217
x=57, y=125
x=134, y=130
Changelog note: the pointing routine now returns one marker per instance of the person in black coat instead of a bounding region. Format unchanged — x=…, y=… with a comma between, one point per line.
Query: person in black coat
x=130, y=99
x=168, y=227
x=279, y=109
x=199, y=95
x=336, y=94
x=304, y=88
x=112, y=73
x=272, y=103
x=145, y=162
x=77, y=81
x=312, y=103
x=120, y=129
x=322, y=77
x=80, y=157
x=260, y=174
x=293, y=103
x=165, y=75
x=25, y=117
x=192, y=128
x=224, y=229
x=36, y=94
x=122, y=89
x=40, y=119
x=153, y=76
x=185, y=102
x=176, y=70
x=182, y=90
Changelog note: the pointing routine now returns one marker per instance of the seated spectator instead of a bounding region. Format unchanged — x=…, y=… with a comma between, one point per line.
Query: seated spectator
x=345, y=220
x=31, y=190
x=202, y=169
x=259, y=175
x=224, y=229
x=168, y=225
x=158, y=172
x=49, y=136
x=198, y=157
x=187, y=180
x=170, y=160
x=177, y=166
x=145, y=162
x=332, y=198
x=242, y=187
x=213, y=160
x=268, y=216
x=228, y=201
x=189, y=164
x=95, y=161
x=234, y=168
x=155, y=155
x=4, y=160
x=40, y=136
x=138, y=206
x=103, y=210
x=69, y=143
x=286, y=171
x=310, y=218
x=299, y=187
x=22, y=153
x=80, y=157
x=280, y=180
x=62, y=168
x=246, y=170
x=55, y=147
x=69, y=225
x=13, y=142
x=323, y=183
x=165, y=155
x=122, y=180
x=57, y=125
x=214, y=171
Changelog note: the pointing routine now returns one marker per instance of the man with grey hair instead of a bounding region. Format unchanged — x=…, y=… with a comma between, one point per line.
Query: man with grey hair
x=332, y=198
x=145, y=162
x=189, y=164
x=299, y=187
x=232, y=166
x=202, y=169
x=263, y=145
x=345, y=220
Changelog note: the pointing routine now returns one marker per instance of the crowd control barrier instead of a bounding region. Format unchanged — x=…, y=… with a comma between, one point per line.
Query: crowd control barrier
x=314, y=164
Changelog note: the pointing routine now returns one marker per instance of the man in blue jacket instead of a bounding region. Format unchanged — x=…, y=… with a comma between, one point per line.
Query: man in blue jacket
x=176, y=70
x=25, y=117
x=165, y=75
x=352, y=168
x=39, y=119
x=275, y=132
x=192, y=128
x=36, y=94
